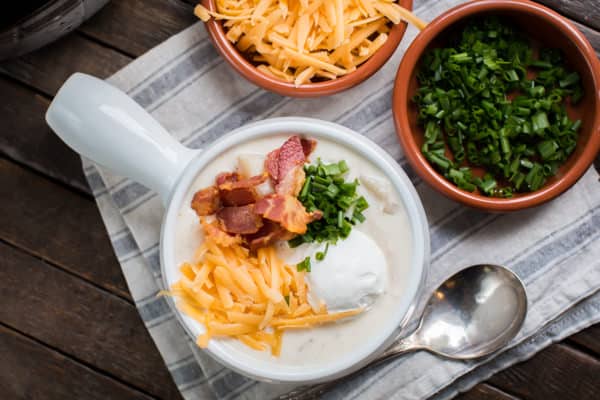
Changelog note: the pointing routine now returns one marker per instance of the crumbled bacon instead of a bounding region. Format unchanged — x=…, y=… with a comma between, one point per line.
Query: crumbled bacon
x=240, y=192
x=219, y=236
x=286, y=210
x=238, y=197
x=225, y=177
x=272, y=165
x=308, y=146
x=267, y=235
x=285, y=165
x=292, y=182
x=242, y=220
x=206, y=201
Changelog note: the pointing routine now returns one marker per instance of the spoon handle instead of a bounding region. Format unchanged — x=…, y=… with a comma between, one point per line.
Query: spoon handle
x=314, y=392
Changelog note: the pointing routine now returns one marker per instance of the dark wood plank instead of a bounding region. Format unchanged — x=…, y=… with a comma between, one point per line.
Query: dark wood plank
x=26, y=138
x=584, y=11
x=46, y=69
x=484, y=391
x=135, y=26
x=31, y=371
x=558, y=372
x=81, y=321
x=57, y=225
x=588, y=339
x=593, y=36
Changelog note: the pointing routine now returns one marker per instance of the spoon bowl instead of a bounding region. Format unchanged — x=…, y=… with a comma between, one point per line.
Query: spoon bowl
x=472, y=314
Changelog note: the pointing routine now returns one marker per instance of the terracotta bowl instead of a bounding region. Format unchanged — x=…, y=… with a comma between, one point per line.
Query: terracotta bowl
x=543, y=26
x=247, y=69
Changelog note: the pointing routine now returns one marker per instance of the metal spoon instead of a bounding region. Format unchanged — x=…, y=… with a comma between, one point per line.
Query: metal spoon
x=472, y=314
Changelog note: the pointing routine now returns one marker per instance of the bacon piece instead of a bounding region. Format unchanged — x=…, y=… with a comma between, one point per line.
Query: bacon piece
x=267, y=235
x=241, y=192
x=272, y=165
x=285, y=164
x=238, y=197
x=292, y=182
x=253, y=181
x=286, y=210
x=242, y=220
x=206, y=201
x=291, y=155
x=216, y=234
x=308, y=146
x=225, y=177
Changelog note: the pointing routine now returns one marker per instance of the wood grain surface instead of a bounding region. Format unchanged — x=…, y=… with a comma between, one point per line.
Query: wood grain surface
x=151, y=22
x=81, y=321
x=27, y=139
x=47, y=68
x=583, y=11
x=484, y=391
x=588, y=339
x=57, y=225
x=68, y=328
x=34, y=371
x=558, y=372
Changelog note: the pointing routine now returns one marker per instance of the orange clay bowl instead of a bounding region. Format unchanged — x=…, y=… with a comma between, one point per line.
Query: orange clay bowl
x=325, y=88
x=542, y=25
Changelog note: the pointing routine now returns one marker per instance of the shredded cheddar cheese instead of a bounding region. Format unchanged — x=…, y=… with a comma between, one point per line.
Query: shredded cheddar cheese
x=301, y=40
x=251, y=298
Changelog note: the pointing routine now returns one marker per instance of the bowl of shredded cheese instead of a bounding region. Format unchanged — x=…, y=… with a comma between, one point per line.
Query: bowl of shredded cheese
x=306, y=48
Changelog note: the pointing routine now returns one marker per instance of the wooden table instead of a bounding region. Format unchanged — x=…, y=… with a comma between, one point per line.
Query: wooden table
x=68, y=326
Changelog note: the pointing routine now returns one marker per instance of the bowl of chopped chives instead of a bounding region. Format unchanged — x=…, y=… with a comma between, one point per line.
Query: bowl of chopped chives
x=496, y=104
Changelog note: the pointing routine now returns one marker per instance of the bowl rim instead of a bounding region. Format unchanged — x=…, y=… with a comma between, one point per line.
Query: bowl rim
x=415, y=216
x=400, y=104
x=325, y=88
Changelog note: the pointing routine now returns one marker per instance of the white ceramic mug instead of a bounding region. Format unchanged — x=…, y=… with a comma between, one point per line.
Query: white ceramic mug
x=105, y=125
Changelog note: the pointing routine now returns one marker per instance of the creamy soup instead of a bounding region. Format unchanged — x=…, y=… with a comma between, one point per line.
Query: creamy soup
x=386, y=224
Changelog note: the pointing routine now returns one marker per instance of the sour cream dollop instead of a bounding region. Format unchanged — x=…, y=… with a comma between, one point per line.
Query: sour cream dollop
x=352, y=274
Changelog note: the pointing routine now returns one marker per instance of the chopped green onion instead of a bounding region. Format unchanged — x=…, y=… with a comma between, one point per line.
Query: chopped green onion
x=547, y=148
x=569, y=80
x=332, y=190
x=304, y=265
x=526, y=163
x=487, y=185
x=361, y=204
x=460, y=57
x=343, y=166
x=540, y=121
x=332, y=169
x=511, y=76
x=340, y=219
x=358, y=216
x=320, y=256
x=305, y=187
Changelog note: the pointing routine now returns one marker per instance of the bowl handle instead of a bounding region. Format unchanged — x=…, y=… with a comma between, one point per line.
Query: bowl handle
x=105, y=125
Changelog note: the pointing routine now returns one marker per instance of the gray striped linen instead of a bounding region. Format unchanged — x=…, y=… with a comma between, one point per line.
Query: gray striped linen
x=197, y=97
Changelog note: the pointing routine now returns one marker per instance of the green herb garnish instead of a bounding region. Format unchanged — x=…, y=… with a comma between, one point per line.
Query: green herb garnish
x=320, y=256
x=304, y=265
x=326, y=189
x=486, y=100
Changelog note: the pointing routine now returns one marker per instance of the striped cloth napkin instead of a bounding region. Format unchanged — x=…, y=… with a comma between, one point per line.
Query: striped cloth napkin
x=554, y=248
